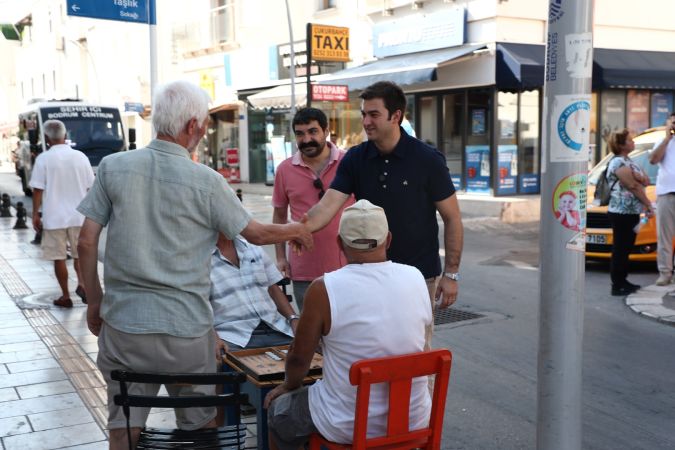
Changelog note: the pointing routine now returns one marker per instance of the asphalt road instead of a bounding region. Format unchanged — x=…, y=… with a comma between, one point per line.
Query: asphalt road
x=628, y=360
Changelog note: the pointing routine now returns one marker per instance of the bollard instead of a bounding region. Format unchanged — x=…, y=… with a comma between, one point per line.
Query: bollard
x=4, y=206
x=239, y=194
x=20, y=217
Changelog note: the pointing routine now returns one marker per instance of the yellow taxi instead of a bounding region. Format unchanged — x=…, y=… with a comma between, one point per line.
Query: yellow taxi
x=598, y=228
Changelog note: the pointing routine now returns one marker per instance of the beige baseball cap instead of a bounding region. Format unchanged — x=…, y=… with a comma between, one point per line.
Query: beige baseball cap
x=363, y=226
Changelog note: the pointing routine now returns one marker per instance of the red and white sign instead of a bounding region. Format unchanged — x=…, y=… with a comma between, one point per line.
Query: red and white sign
x=232, y=156
x=330, y=93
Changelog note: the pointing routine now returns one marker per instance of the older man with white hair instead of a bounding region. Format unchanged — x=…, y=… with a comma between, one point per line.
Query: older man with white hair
x=163, y=212
x=60, y=180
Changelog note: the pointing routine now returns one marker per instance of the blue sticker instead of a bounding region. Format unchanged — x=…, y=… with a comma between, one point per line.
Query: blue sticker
x=562, y=124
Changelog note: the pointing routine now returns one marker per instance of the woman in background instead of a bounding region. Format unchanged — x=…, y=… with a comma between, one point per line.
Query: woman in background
x=628, y=199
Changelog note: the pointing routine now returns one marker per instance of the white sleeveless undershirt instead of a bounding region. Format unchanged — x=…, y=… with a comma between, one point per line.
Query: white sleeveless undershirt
x=377, y=309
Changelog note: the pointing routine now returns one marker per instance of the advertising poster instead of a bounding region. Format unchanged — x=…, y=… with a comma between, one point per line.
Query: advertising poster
x=277, y=151
x=529, y=183
x=569, y=202
x=477, y=169
x=456, y=180
x=637, y=110
x=570, y=123
x=507, y=169
x=478, y=117
x=662, y=105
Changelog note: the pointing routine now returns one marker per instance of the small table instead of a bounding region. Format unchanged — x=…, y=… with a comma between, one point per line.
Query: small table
x=265, y=369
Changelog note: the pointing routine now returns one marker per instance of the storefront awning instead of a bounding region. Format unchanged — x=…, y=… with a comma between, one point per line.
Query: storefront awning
x=279, y=97
x=404, y=70
x=520, y=66
x=633, y=69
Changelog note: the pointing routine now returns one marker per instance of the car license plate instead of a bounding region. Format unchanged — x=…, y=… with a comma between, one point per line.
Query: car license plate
x=596, y=239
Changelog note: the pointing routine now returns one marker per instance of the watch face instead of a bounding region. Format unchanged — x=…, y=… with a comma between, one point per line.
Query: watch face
x=452, y=276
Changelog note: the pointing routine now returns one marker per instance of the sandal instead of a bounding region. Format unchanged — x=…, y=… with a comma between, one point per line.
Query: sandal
x=80, y=293
x=64, y=302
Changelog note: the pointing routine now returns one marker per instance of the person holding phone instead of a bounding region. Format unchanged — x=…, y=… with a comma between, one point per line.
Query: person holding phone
x=664, y=155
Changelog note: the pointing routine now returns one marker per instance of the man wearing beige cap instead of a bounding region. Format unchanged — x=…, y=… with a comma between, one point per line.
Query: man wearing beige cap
x=369, y=308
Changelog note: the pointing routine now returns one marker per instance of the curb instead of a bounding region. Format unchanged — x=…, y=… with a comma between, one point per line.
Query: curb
x=648, y=302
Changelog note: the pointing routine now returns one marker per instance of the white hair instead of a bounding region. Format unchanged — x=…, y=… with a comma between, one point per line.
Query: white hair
x=175, y=104
x=55, y=130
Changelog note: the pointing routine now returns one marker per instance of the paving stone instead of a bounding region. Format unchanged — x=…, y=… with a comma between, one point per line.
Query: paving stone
x=61, y=418
x=40, y=404
x=58, y=438
x=36, y=364
x=45, y=389
x=22, y=346
x=7, y=394
x=100, y=445
x=34, y=377
x=14, y=425
x=25, y=355
x=19, y=338
x=3, y=369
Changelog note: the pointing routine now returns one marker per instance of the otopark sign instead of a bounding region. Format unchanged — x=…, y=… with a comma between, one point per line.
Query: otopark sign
x=138, y=11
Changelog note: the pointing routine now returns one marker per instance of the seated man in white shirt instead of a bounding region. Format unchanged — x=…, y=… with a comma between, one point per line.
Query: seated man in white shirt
x=249, y=309
x=369, y=308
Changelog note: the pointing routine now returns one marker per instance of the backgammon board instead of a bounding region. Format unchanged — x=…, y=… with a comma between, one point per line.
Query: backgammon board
x=268, y=363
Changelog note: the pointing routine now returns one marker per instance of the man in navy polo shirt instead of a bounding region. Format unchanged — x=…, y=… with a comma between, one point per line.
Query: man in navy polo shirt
x=410, y=181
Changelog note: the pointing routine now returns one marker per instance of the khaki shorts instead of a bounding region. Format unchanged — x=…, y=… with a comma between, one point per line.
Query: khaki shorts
x=54, y=243
x=156, y=353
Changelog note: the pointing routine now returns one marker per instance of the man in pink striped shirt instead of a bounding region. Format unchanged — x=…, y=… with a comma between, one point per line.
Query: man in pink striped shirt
x=299, y=183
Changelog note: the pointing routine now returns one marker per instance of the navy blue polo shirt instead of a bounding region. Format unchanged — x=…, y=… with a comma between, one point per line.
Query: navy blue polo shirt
x=405, y=183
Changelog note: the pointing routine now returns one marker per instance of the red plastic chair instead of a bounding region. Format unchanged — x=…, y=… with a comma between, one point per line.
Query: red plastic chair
x=399, y=372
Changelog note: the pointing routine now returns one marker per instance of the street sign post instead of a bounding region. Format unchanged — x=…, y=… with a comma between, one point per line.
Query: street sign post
x=137, y=11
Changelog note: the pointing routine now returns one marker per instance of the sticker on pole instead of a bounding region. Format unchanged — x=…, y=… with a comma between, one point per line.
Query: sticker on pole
x=569, y=202
x=579, y=55
x=570, y=125
x=577, y=243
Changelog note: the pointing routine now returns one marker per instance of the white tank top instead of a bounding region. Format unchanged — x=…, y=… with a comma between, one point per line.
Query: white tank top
x=377, y=309
x=665, y=180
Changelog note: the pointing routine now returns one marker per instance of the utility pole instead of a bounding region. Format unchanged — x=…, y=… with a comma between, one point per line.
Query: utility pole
x=152, y=25
x=565, y=147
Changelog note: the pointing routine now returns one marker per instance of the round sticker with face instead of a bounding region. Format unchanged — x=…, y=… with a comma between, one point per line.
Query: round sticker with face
x=569, y=202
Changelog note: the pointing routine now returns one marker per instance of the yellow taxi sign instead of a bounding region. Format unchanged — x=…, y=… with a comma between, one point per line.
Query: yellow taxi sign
x=329, y=43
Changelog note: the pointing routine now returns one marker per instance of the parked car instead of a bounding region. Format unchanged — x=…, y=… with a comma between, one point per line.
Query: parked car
x=598, y=229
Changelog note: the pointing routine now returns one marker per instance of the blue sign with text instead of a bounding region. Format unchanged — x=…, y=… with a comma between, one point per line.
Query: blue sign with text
x=138, y=11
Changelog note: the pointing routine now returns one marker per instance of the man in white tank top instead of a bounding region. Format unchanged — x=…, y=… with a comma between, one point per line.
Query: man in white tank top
x=370, y=308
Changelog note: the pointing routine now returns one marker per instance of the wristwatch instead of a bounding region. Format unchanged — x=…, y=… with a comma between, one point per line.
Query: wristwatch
x=292, y=317
x=454, y=276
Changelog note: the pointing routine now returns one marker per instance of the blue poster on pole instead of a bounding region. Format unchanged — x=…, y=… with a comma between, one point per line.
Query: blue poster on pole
x=477, y=169
x=662, y=105
x=507, y=169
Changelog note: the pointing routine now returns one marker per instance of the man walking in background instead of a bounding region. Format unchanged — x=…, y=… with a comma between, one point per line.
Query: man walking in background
x=60, y=180
x=299, y=183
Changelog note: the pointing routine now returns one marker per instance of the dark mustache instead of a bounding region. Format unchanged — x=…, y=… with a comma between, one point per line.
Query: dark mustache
x=308, y=144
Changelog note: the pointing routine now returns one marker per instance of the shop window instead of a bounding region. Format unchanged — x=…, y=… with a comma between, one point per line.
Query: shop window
x=428, y=113
x=637, y=110
x=661, y=106
x=507, y=148
x=452, y=131
x=529, y=158
x=477, y=149
x=612, y=115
